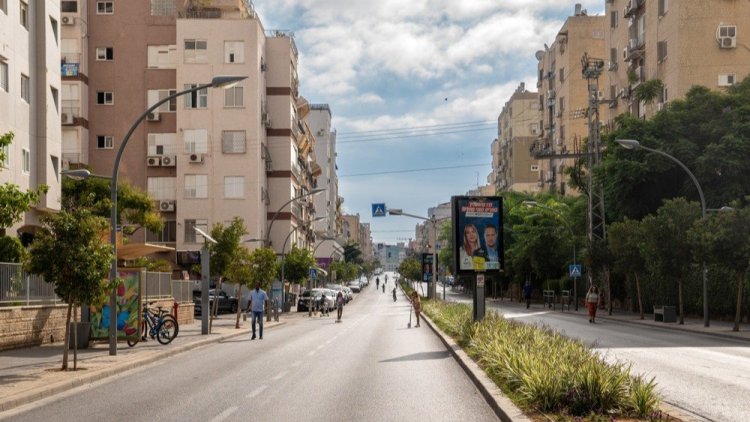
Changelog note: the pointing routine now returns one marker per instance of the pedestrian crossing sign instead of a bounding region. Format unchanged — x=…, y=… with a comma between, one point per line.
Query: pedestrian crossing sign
x=378, y=210
x=574, y=270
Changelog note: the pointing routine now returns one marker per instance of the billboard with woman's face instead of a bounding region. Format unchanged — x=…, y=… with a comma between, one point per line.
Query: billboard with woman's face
x=478, y=234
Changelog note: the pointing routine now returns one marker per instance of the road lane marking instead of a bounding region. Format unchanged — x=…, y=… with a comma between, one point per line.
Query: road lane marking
x=256, y=391
x=225, y=414
x=280, y=375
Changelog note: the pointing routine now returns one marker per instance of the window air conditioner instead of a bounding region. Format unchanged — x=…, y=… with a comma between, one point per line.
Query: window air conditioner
x=68, y=20
x=166, y=205
x=153, y=161
x=196, y=158
x=153, y=116
x=66, y=118
x=168, y=161
x=727, y=42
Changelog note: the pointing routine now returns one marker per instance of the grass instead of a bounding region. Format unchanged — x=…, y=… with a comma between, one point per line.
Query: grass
x=543, y=371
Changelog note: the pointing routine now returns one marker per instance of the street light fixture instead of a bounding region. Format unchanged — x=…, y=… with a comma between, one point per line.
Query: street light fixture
x=276, y=214
x=283, y=248
x=216, y=82
x=433, y=220
x=634, y=144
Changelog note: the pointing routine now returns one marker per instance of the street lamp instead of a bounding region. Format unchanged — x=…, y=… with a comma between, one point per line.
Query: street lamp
x=572, y=236
x=433, y=220
x=216, y=82
x=634, y=144
x=276, y=214
x=283, y=248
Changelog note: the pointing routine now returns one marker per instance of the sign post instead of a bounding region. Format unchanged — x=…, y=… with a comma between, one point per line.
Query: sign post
x=479, y=298
x=575, y=272
x=378, y=210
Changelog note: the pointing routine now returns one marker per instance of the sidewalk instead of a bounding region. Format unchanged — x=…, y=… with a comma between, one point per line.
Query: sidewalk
x=33, y=373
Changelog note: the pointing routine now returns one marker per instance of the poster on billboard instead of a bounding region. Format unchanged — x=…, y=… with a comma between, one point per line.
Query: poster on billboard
x=127, y=305
x=477, y=234
x=427, y=267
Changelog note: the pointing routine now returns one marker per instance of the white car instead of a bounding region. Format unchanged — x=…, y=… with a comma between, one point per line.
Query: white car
x=330, y=297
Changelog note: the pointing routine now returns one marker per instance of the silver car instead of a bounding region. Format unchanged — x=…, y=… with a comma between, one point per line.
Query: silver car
x=330, y=302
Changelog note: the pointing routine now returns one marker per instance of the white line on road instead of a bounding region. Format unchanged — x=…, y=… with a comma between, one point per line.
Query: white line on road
x=256, y=391
x=280, y=375
x=225, y=414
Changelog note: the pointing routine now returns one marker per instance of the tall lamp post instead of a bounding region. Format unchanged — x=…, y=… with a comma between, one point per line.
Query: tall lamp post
x=283, y=249
x=572, y=236
x=216, y=82
x=634, y=144
x=433, y=220
x=276, y=214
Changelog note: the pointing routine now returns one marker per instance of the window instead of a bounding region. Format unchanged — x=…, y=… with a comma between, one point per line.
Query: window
x=234, y=187
x=168, y=234
x=156, y=95
x=3, y=74
x=661, y=51
x=5, y=156
x=105, y=141
x=55, y=97
x=196, y=141
x=663, y=6
x=562, y=74
x=613, y=59
x=26, y=161
x=25, y=15
x=53, y=23
x=105, y=54
x=195, y=51
x=69, y=6
x=162, y=188
x=190, y=235
x=4, y=6
x=105, y=98
x=233, y=141
x=197, y=99
x=233, y=97
x=727, y=79
x=163, y=8
x=196, y=186
x=234, y=52
x=613, y=19
x=25, y=88
x=105, y=7
x=162, y=56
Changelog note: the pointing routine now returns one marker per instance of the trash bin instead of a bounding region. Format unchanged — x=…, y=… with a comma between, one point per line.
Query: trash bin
x=83, y=335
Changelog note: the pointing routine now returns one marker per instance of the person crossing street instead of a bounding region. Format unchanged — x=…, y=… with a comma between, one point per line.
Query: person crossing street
x=258, y=300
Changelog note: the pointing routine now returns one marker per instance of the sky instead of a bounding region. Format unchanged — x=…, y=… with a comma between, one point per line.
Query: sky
x=415, y=88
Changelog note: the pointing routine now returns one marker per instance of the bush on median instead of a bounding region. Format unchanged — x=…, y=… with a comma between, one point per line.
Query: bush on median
x=542, y=370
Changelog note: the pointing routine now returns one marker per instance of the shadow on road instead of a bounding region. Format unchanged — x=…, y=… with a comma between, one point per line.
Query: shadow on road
x=420, y=356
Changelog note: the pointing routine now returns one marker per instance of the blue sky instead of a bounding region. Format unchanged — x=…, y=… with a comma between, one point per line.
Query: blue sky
x=440, y=69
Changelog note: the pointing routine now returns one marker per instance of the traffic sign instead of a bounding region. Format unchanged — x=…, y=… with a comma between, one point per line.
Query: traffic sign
x=574, y=270
x=313, y=273
x=378, y=210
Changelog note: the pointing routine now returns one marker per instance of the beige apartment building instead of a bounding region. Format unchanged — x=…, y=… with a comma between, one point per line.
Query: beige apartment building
x=517, y=129
x=564, y=97
x=30, y=103
x=75, y=89
x=682, y=43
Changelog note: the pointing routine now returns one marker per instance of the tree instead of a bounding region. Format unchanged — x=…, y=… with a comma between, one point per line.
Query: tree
x=11, y=250
x=224, y=251
x=69, y=252
x=297, y=264
x=352, y=253
x=13, y=201
x=410, y=269
x=724, y=239
x=624, y=239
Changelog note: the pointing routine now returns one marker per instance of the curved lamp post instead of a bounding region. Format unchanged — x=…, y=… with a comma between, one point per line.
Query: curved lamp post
x=283, y=248
x=634, y=144
x=216, y=82
x=276, y=214
x=434, y=221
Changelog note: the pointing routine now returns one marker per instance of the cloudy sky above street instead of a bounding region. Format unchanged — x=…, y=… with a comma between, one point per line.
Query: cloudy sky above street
x=415, y=88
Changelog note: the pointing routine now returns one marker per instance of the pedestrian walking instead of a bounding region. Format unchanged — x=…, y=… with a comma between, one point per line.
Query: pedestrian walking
x=323, y=305
x=377, y=283
x=339, y=306
x=416, y=303
x=258, y=300
x=527, y=293
x=592, y=302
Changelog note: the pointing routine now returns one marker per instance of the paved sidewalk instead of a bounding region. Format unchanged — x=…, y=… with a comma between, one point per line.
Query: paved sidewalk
x=33, y=373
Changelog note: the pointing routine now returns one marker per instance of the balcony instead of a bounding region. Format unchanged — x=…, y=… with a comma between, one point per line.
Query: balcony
x=70, y=64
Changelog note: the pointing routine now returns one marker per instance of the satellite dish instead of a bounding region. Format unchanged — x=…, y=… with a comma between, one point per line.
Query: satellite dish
x=539, y=54
x=205, y=236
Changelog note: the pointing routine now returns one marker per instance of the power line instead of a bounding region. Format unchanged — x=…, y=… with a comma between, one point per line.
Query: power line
x=414, y=170
x=414, y=135
x=420, y=127
x=381, y=132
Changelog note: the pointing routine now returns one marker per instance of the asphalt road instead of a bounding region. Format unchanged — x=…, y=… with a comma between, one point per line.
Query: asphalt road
x=706, y=375
x=370, y=367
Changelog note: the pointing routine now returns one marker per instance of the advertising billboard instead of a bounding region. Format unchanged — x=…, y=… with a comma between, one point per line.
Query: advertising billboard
x=128, y=294
x=427, y=267
x=477, y=234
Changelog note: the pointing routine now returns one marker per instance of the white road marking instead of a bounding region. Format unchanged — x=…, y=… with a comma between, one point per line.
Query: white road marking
x=256, y=391
x=225, y=414
x=280, y=375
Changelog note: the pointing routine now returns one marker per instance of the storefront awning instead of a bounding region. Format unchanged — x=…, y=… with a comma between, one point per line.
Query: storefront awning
x=138, y=250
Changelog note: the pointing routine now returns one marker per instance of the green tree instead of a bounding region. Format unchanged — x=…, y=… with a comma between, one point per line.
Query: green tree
x=337, y=268
x=724, y=240
x=411, y=269
x=69, y=253
x=13, y=201
x=224, y=251
x=624, y=240
x=297, y=264
x=11, y=250
x=352, y=253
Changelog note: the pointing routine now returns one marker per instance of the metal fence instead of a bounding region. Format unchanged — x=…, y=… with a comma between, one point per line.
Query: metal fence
x=157, y=285
x=182, y=291
x=19, y=288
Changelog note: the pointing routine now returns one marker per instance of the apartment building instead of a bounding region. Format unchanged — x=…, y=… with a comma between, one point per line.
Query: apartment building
x=680, y=43
x=319, y=121
x=564, y=96
x=517, y=130
x=74, y=71
x=30, y=103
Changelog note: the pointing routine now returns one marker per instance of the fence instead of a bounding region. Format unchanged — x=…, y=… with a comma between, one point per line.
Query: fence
x=19, y=288
x=182, y=291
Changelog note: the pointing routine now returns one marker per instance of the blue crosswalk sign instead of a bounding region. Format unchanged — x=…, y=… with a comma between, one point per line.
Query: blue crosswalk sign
x=378, y=210
x=313, y=273
x=574, y=270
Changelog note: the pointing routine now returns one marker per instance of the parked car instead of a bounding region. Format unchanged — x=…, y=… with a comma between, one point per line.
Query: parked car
x=339, y=288
x=330, y=297
x=226, y=303
x=309, y=298
x=349, y=293
x=355, y=286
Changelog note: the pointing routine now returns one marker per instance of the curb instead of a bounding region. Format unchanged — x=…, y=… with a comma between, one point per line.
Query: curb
x=34, y=394
x=666, y=326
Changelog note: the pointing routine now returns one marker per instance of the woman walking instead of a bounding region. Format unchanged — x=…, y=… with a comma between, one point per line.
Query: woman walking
x=592, y=302
x=417, y=304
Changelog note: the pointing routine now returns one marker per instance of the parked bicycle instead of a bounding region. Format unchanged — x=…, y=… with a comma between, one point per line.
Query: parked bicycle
x=159, y=324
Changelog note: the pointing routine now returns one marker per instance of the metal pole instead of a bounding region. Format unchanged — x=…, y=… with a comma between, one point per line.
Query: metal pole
x=206, y=277
x=433, y=288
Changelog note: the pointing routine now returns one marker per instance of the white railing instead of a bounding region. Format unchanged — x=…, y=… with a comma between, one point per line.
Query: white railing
x=19, y=288
x=182, y=291
x=157, y=285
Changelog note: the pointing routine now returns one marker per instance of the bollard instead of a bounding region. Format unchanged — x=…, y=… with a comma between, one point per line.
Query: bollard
x=175, y=306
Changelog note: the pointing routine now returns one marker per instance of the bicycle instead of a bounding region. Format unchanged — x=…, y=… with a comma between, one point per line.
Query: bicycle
x=160, y=325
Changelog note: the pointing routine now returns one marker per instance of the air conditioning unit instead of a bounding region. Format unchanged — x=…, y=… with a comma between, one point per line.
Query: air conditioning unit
x=633, y=43
x=612, y=66
x=166, y=205
x=168, y=161
x=550, y=93
x=153, y=116
x=727, y=42
x=68, y=20
x=66, y=118
x=196, y=158
x=625, y=54
x=266, y=119
x=153, y=161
